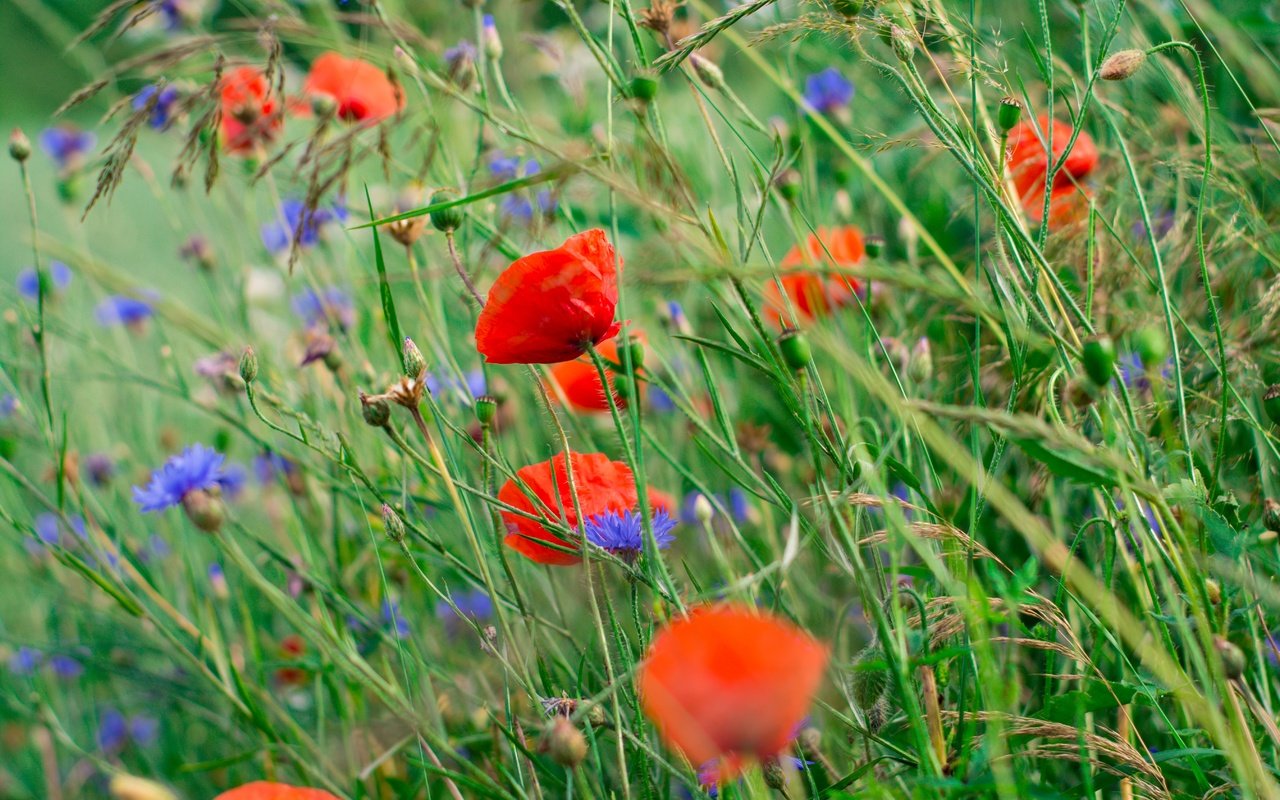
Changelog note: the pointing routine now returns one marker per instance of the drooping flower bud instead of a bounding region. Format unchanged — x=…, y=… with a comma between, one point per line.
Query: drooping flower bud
x=1099, y=358
x=19, y=146
x=392, y=523
x=375, y=409
x=795, y=349
x=414, y=363
x=1009, y=115
x=486, y=410
x=249, y=365
x=564, y=743
x=446, y=219
x=1122, y=65
x=870, y=682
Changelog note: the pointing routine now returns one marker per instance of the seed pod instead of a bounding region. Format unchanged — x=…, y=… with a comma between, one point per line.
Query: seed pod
x=1099, y=358
x=643, y=88
x=1121, y=66
x=248, y=365
x=1009, y=115
x=795, y=348
x=446, y=219
x=486, y=410
x=1271, y=403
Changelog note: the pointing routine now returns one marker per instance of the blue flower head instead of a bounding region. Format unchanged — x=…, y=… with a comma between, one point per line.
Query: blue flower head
x=164, y=101
x=394, y=620
x=113, y=731
x=1135, y=374
x=471, y=386
x=623, y=534
x=198, y=468
x=8, y=405
x=474, y=604
x=270, y=465
x=66, y=667
x=296, y=220
x=827, y=91
x=330, y=305
x=25, y=661
x=56, y=278
x=121, y=310
x=67, y=145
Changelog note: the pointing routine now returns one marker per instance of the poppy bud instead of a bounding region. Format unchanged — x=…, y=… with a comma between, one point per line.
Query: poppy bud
x=795, y=348
x=1151, y=346
x=1009, y=115
x=204, y=510
x=486, y=410
x=249, y=365
x=903, y=47
x=1121, y=66
x=848, y=8
x=19, y=146
x=392, y=524
x=874, y=245
x=635, y=348
x=446, y=219
x=414, y=363
x=375, y=410
x=1271, y=403
x=870, y=678
x=624, y=387
x=1233, y=661
x=643, y=88
x=564, y=743
x=707, y=72
x=1099, y=358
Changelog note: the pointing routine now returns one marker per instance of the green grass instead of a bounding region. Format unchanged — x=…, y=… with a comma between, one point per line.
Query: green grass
x=1085, y=573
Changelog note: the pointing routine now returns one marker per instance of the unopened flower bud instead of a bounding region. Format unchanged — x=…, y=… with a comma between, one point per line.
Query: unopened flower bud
x=1099, y=358
x=323, y=105
x=19, y=146
x=490, y=39
x=486, y=410
x=1122, y=65
x=795, y=349
x=392, y=523
x=707, y=72
x=249, y=365
x=1233, y=660
x=870, y=677
x=920, y=365
x=903, y=45
x=774, y=776
x=565, y=743
x=446, y=219
x=789, y=185
x=643, y=88
x=375, y=410
x=1010, y=114
x=414, y=363
x=204, y=510
x=703, y=511
x=634, y=349
x=1213, y=591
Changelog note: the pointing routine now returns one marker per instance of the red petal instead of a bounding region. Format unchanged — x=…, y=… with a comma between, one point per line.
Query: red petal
x=266, y=790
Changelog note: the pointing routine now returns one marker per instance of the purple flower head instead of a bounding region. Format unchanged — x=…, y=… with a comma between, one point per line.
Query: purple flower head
x=161, y=101
x=144, y=730
x=460, y=55
x=659, y=400
x=67, y=145
x=175, y=13
x=25, y=661
x=394, y=620
x=46, y=527
x=270, y=465
x=122, y=310
x=216, y=365
x=296, y=220
x=198, y=468
x=66, y=667
x=234, y=478
x=56, y=278
x=1163, y=222
x=8, y=405
x=504, y=167
x=113, y=731
x=827, y=91
x=739, y=506
x=1135, y=374
x=330, y=305
x=623, y=534
x=100, y=468
x=471, y=387
x=473, y=604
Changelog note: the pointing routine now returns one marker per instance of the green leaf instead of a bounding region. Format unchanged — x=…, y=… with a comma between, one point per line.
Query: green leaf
x=74, y=561
x=388, y=303
x=1067, y=465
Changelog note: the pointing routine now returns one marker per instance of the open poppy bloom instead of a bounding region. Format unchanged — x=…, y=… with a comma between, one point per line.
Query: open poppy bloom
x=729, y=684
x=1029, y=168
x=550, y=306
x=580, y=381
x=267, y=790
x=602, y=486
x=250, y=114
x=361, y=91
x=812, y=294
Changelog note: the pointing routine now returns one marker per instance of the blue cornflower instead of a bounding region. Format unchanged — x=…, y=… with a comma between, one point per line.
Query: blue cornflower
x=234, y=478
x=115, y=730
x=297, y=220
x=100, y=468
x=8, y=405
x=57, y=277
x=162, y=112
x=827, y=91
x=198, y=468
x=393, y=619
x=474, y=604
x=328, y=306
x=144, y=730
x=460, y=55
x=270, y=465
x=46, y=527
x=739, y=505
x=504, y=167
x=1135, y=375
x=472, y=386
x=121, y=310
x=66, y=667
x=25, y=661
x=660, y=400
x=1163, y=221
x=175, y=13
x=623, y=534
x=67, y=145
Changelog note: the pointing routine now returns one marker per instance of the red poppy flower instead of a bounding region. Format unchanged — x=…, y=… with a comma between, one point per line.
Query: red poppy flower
x=731, y=684
x=250, y=114
x=661, y=501
x=813, y=294
x=1029, y=167
x=548, y=307
x=266, y=790
x=362, y=92
x=580, y=381
x=602, y=485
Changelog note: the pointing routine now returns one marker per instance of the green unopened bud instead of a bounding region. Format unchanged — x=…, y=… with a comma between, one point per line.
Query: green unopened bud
x=204, y=510
x=446, y=219
x=565, y=743
x=920, y=365
x=392, y=524
x=375, y=410
x=1010, y=114
x=904, y=47
x=70, y=187
x=486, y=410
x=414, y=363
x=1151, y=347
x=1271, y=403
x=249, y=365
x=19, y=146
x=635, y=349
x=323, y=105
x=707, y=72
x=789, y=185
x=624, y=387
x=870, y=678
x=774, y=776
x=595, y=715
x=1099, y=358
x=1122, y=65
x=874, y=245
x=795, y=349
x=643, y=88
x=1213, y=591
x=1233, y=660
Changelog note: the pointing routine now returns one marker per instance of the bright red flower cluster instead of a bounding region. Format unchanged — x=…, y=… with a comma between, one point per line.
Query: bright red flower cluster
x=1029, y=168
x=811, y=293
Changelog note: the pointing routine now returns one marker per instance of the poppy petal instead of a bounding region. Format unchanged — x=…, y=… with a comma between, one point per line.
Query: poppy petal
x=267, y=790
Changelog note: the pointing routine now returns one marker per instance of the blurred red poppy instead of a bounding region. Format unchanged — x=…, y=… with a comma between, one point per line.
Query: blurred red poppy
x=292, y=647
x=580, y=381
x=250, y=113
x=362, y=92
x=266, y=790
x=661, y=501
x=729, y=683
x=1029, y=168
x=602, y=485
x=549, y=306
x=812, y=294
